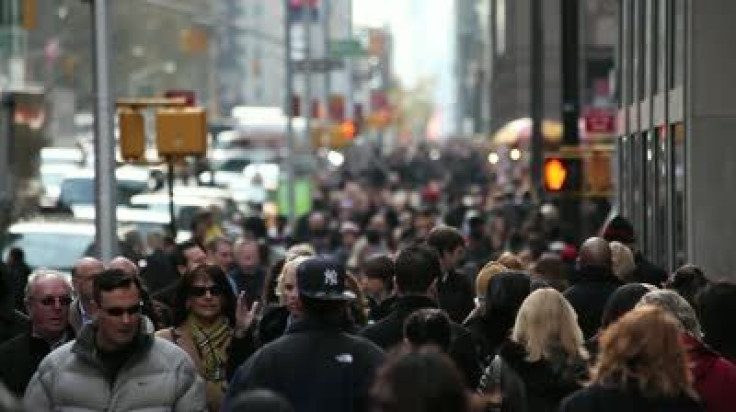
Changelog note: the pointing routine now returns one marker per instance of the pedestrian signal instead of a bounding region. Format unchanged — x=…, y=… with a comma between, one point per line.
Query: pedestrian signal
x=347, y=129
x=132, y=134
x=562, y=174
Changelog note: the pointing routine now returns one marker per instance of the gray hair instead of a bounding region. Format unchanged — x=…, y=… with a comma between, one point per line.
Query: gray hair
x=677, y=306
x=42, y=274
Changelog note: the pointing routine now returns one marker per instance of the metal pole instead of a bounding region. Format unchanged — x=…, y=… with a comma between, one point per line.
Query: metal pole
x=537, y=100
x=328, y=73
x=172, y=211
x=570, y=209
x=289, y=107
x=307, y=101
x=6, y=168
x=349, y=98
x=105, y=184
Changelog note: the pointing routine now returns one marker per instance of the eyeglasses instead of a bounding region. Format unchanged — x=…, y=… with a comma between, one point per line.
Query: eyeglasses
x=132, y=310
x=50, y=300
x=215, y=290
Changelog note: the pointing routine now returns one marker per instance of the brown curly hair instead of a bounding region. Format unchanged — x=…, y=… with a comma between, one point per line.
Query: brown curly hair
x=642, y=348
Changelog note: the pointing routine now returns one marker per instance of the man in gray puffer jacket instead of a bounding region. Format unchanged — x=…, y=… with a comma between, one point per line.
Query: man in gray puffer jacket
x=116, y=364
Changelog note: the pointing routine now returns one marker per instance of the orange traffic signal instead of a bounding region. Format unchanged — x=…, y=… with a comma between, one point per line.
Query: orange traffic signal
x=347, y=129
x=562, y=174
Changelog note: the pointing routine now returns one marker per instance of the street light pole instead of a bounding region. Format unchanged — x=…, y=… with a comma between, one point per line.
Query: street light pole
x=105, y=193
x=537, y=100
x=327, y=73
x=289, y=108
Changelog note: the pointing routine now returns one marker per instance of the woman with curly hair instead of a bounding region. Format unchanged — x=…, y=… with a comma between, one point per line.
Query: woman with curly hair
x=641, y=367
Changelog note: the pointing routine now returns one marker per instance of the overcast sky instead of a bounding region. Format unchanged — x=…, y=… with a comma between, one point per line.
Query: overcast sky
x=424, y=43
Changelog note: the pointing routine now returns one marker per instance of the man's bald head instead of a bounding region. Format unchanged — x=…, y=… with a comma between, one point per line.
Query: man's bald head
x=83, y=274
x=595, y=252
x=124, y=264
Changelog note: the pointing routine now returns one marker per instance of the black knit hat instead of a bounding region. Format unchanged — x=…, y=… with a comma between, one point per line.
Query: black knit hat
x=619, y=229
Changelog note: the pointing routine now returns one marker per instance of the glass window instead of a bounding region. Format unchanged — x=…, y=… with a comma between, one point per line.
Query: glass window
x=623, y=175
x=651, y=219
x=680, y=215
x=638, y=189
x=663, y=226
x=43, y=249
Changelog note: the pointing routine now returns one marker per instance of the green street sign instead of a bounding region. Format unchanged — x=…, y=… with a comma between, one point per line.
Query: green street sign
x=345, y=48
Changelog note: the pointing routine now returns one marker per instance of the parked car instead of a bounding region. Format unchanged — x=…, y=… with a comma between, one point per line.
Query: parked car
x=78, y=187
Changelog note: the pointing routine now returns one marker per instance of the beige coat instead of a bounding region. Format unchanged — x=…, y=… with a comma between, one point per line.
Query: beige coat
x=215, y=390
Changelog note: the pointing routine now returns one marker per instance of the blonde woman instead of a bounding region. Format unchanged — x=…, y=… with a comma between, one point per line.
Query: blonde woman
x=277, y=318
x=544, y=360
x=641, y=367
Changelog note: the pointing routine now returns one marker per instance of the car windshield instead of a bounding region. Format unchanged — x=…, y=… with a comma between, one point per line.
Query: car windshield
x=236, y=164
x=81, y=191
x=77, y=192
x=52, y=179
x=45, y=249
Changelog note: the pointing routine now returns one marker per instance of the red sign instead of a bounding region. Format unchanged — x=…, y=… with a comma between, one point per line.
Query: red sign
x=600, y=121
x=187, y=95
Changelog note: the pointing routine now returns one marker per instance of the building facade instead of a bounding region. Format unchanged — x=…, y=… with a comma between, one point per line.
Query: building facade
x=676, y=168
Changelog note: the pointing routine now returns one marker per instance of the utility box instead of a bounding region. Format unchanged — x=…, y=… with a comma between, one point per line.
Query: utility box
x=132, y=134
x=181, y=132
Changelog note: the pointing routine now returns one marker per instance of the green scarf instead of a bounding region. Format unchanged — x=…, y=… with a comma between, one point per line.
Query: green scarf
x=210, y=341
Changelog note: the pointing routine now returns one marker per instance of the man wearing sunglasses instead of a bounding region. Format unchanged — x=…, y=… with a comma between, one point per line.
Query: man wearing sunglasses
x=47, y=299
x=116, y=363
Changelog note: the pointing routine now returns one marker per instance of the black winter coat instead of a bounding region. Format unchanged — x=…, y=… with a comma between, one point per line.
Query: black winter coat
x=19, y=359
x=315, y=365
x=588, y=296
x=536, y=386
x=455, y=295
x=389, y=332
x=12, y=323
x=599, y=398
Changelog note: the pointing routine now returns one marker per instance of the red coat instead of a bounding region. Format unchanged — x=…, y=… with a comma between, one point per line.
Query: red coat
x=714, y=377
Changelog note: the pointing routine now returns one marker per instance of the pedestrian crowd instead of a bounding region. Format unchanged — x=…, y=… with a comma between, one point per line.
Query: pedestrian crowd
x=367, y=306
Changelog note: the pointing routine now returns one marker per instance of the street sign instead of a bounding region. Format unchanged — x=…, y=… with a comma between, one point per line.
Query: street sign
x=346, y=48
x=318, y=65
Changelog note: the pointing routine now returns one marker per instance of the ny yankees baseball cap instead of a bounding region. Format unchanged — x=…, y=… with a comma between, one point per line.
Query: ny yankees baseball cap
x=322, y=279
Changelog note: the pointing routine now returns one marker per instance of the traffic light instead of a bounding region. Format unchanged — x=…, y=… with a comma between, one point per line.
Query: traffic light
x=562, y=174
x=29, y=14
x=348, y=129
x=181, y=131
x=132, y=134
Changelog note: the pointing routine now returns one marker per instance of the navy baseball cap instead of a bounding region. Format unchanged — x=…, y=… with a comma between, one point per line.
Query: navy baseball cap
x=322, y=279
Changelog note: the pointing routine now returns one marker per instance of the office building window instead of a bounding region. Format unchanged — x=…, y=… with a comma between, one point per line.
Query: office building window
x=679, y=194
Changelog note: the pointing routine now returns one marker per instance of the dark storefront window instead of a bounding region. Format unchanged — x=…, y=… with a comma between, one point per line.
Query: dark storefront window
x=624, y=173
x=679, y=194
x=663, y=229
x=651, y=220
x=638, y=189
